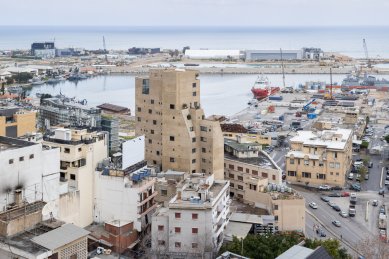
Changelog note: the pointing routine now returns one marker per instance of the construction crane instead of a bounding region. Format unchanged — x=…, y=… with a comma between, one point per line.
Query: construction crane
x=328, y=95
x=366, y=54
x=105, y=50
x=283, y=71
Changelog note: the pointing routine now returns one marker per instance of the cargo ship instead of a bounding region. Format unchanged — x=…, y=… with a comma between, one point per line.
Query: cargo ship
x=262, y=88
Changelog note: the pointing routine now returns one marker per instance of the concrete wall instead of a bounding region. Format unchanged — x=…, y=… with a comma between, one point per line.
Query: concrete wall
x=24, y=123
x=291, y=214
x=133, y=151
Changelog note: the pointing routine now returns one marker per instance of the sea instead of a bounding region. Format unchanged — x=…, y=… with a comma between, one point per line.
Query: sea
x=220, y=94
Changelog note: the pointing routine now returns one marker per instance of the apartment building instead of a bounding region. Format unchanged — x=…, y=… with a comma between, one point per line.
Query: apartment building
x=15, y=122
x=193, y=224
x=80, y=152
x=322, y=157
x=178, y=136
x=246, y=166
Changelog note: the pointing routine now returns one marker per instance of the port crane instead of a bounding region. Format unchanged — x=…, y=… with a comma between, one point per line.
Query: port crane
x=366, y=54
x=283, y=69
x=105, y=50
x=328, y=95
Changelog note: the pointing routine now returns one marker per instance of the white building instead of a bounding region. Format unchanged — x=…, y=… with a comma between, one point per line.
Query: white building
x=31, y=168
x=128, y=194
x=213, y=54
x=193, y=223
x=80, y=153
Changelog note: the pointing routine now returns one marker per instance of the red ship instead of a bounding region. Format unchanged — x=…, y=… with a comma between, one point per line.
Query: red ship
x=262, y=88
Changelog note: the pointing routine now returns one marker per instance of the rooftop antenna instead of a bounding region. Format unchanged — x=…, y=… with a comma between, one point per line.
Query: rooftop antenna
x=283, y=71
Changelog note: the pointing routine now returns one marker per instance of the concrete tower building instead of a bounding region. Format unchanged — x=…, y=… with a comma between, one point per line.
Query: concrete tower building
x=178, y=136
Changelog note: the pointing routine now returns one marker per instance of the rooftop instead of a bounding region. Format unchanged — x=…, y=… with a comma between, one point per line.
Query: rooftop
x=261, y=160
x=7, y=143
x=296, y=252
x=251, y=218
x=241, y=146
x=112, y=107
x=332, y=139
x=60, y=237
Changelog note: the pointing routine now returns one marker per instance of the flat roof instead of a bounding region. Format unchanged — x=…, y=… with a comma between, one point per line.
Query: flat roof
x=296, y=252
x=60, y=237
x=238, y=229
x=7, y=143
x=261, y=160
x=250, y=218
x=240, y=146
x=323, y=138
x=112, y=107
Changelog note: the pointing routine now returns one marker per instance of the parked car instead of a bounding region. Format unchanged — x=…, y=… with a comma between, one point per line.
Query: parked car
x=336, y=208
x=358, y=177
x=324, y=198
x=350, y=176
x=324, y=187
x=386, y=182
x=366, y=176
x=313, y=205
x=374, y=203
x=370, y=164
x=343, y=214
x=345, y=194
x=334, y=194
x=336, y=223
x=382, y=191
x=331, y=204
x=355, y=187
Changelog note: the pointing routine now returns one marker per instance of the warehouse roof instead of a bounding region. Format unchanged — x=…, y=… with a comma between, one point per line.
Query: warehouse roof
x=60, y=237
x=333, y=139
x=112, y=107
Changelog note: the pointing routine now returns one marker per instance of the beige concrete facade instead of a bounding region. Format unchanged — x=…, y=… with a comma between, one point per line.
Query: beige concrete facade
x=317, y=158
x=256, y=138
x=178, y=136
x=24, y=121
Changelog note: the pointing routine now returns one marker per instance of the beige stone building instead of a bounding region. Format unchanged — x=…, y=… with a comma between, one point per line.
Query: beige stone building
x=322, y=157
x=80, y=153
x=248, y=168
x=178, y=136
x=15, y=122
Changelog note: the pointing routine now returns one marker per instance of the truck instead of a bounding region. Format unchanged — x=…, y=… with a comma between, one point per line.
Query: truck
x=351, y=210
x=382, y=219
x=353, y=198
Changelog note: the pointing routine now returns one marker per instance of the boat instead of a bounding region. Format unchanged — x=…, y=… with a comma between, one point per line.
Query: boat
x=191, y=65
x=262, y=88
x=37, y=81
x=55, y=80
x=353, y=81
x=15, y=89
x=76, y=77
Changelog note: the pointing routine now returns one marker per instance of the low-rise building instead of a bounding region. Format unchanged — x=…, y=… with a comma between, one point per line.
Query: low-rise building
x=253, y=55
x=43, y=49
x=80, y=152
x=248, y=168
x=319, y=157
x=193, y=223
x=15, y=122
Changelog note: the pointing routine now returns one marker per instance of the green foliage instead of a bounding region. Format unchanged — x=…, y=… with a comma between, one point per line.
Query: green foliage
x=367, y=120
x=22, y=77
x=2, y=88
x=387, y=138
x=262, y=246
x=9, y=81
x=365, y=144
x=332, y=246
x=362, y=171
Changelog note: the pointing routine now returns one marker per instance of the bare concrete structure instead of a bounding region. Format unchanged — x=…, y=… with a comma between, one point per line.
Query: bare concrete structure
x=178, y=136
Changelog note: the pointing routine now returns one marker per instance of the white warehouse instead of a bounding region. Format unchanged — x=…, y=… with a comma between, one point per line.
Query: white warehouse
x=253, y=55
x=213, y=54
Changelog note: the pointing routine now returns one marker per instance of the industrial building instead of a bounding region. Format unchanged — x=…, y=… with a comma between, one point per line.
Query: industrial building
x=255, y=55
x=178, y=136
x=214, y=54
x=319, y=157
x=194, y=222
x=43, y=49
x=64, y=111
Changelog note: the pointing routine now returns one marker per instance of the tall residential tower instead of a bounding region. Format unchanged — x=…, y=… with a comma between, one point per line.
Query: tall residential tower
x=178, y=136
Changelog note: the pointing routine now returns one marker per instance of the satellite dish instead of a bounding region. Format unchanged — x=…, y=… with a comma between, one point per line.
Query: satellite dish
x=48, y=208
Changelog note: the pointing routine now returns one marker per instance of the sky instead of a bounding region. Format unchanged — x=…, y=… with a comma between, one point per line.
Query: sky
x=195, y=12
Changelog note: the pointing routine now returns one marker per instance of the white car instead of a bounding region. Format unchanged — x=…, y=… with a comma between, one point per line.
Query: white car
x=313, y=205
x=351, y=176
x=343, y=214
x=386, y=182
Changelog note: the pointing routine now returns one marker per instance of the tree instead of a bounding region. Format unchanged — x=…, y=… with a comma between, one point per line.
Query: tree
x=387, y=138
x=332, y=246
x=2, y=88
x=362, y=171
x=373, y=247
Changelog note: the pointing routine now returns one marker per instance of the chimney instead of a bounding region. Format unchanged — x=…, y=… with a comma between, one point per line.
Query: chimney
x=18, y=197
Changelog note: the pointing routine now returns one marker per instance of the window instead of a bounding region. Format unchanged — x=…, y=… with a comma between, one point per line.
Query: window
x=191, y=129
x=177, y=244
x=240, y=168
x=150, y=111
x=254, y=172
x=161, y=242
x=145, y=86
x=194, y=85
x=332, y=165
x=203, y=128
x=163, y=192
x=337, y=165
x=160, y=227
x=172, y=160
x=291, y=173
x=306, y=162
x=321, y=163
x=154, y=122
x=195, y=245
x=231, y=176
x=195, y=230
x=240, y=187
x=194, y=94
x=21, y=158
x=139, y=119
x=150, y=141
x=276, y=207
x=79, y=149
x=152, y=131
x=232, y=185
x=265, y=175
x=195, y=216
x=274, y=177
x=306, y=175
x=240, y=178
x=193, y=139
x=203, y=150
x=177, y=230
x=152, y=101
x=203, y=160
x=31, y=156
x=276, y=217
x=193, y=161
x=253, y=187
x=72, y=177
x=337, y=174
x=139, y=109
x=231, y=167
x=247, y=170
x=298, y=161
x=193, y=150
x=171, y=138
x=313, y=161
x=172, y=106
x=203, y=139
x=335, y=154
x=291, y=161
x=11, y=161
x=321, y=176
x=177, y=215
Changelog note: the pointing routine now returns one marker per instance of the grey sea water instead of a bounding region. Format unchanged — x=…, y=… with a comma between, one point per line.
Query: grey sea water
x=347, y=40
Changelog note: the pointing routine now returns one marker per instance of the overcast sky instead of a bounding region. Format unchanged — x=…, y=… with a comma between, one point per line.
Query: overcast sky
x=195, y=12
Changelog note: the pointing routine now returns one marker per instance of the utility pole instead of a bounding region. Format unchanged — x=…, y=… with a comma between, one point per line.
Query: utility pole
x=283, y=71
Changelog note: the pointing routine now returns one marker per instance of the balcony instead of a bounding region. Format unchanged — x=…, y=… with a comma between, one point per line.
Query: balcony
x=155, y=205
x=147, y=199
